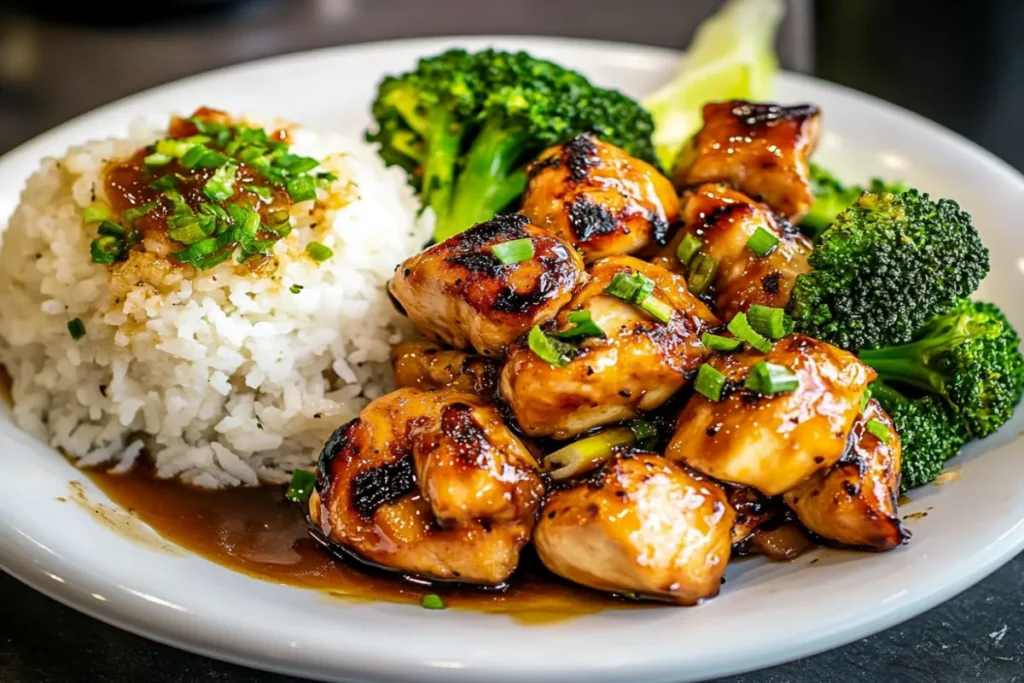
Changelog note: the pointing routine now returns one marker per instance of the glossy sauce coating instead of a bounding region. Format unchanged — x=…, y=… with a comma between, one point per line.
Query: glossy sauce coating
x=639, y=524
x=761, y=149
x=599, y=198
x=772, y=443
x=854, y=503
x=427, y=366
x=636, y=367
x=429, y=483
x=459, y=293
x=724, y=220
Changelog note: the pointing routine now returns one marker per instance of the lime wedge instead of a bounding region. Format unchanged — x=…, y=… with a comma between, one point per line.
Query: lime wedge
x=732, y=56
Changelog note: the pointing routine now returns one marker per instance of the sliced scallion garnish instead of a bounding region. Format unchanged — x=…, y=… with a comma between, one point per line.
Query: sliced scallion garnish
x=301, y=486
x=762, y=242
x=137, y=212
x=646, y=434
x=95, y=213
x=301, y=189
x=432, y=602
x=105, y=249
x=76, y=328
x=770, y=322
x=703, y=269
x=583, y=326
x=709, y=382
x=879, y=430
x=553, y=351
x=637, y=289
x=221, y=184
x=769, y=378
x=261, y=191
x=318, y=251
x=741, y=329
x=513, y=251
x=584, y=454
x=717, y=342
x=688, y=248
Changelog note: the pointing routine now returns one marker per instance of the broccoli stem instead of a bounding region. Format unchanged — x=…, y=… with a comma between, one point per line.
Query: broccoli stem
x=487, y=181
x=444, y=141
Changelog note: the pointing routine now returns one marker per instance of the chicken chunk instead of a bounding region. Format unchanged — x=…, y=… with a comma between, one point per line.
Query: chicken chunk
x=724, y=220
x=599, y=198
x=427, y=366
x=774, y=442
x=432, y=484
x=854, y=503
x=637, y=365
x=642, y=525
x=752, y=510
x=761, y=149
x=460, y=293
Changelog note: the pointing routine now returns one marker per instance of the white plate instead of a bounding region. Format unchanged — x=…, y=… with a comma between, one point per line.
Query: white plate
x=766, y=614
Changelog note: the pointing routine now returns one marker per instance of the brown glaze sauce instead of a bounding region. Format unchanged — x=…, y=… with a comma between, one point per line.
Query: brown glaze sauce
x=257, y=532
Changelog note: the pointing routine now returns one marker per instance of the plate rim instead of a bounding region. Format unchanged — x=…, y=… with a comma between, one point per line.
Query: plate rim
x=148, y=618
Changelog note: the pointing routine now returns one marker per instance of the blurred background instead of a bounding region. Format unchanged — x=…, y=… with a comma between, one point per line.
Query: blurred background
x=959, y=63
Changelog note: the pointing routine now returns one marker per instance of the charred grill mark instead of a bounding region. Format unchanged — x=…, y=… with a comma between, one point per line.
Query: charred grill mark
x=722, y=212
x=580, y=154
x=552, y=162
x=485, y=373
x=763, y=114
x=457, y=424
x=383, y=485
x=588, y=219
x=503, y=227
x=509, y=300
x=770, y=282
x=338, y=442
x=659, y=227
x=478, y=262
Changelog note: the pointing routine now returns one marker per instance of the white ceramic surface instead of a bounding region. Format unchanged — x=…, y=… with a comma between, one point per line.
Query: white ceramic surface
x=766, y=614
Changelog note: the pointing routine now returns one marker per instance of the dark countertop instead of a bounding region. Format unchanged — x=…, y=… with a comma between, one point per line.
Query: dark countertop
x=958, y=63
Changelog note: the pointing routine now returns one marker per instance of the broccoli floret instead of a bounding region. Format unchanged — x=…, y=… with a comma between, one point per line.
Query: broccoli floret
x=885, y=266
x=929, y=433
x=463, y=125
x=968, y=356
x=831, y=197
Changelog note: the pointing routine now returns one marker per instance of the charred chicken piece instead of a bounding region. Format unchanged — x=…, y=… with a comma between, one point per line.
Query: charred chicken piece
x=427, y=366
x=639, y=524
x=637, y=365
x=854, y=503
x=599, y=198
x=723, y=222
x=460, y=292
x=774, y=442
x=761, y=149
x=432, y=484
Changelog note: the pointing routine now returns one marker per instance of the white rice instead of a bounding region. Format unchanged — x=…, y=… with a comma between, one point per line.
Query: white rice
x=224, y=379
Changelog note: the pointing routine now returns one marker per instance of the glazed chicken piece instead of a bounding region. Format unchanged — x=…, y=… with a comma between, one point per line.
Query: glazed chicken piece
x=854, y=503
x=637, y=366
x=724, y=220
x=639, y=524
x=427, y=366
x=752, y=510
x=773, y=443
x=599, y=198
x=459, y=293
x=761, y=149
x=431, y=484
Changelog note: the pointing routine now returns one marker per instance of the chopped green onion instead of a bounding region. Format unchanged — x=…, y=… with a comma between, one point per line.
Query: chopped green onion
x=709, y=382
x=106, y=249
x=513, y=251
x=879, y=430
x=770, y=322
x=204, y=126
x=631, y=287
x=76, y=328
x=197, y=251
x=318, y=251
x=137, y=212
x=646, y=434
x=196, y=229
x=864, y=398
x=762, y=242
x=703, y=269
x=157, y=159
x=294, y=164
x=295, y=289
x=688, y=248
x=202, y=157
x=261, y=191
x=657, y=308
x=557, y=353
x=95, y=213
x=301, y=486
x=717, y=342
x=173, y=148
x=214, y=210
x=432, y=602
x=584, y=454
x=740, y=328
x=111, y=229
x=301, y=189
x=165, y=182
x=221, y=184
x=583, y=326
x=768, y=378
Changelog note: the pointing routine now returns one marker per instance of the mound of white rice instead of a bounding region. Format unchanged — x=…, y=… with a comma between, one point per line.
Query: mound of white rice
x=225, y=378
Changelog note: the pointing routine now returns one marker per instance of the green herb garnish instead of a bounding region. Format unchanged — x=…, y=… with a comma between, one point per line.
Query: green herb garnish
x=295, y=289
x=703, y=269
x=432, y=602
x=646, y=434
x=301, y=486
x=879, y=430
x=513, y=251
x=770, y=322
x=76, y=328
x=762, y=242
x=741, y=329
x=636, y=288
x=95, y=213
x=554, y=351
x=719, y=343
x=768, y=378
x=318, y=251
x=688, y=248
x=709, y=382
x=583, y=326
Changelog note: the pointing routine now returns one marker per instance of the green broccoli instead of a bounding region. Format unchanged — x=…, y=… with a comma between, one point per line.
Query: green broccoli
x=463, y=125
x=969, y=356
x=831, y=197
x=929, y=433
x=885, y=266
